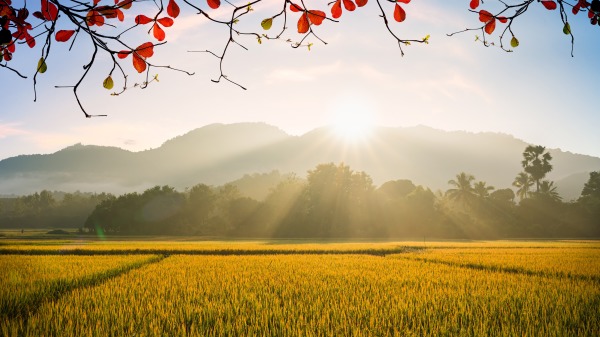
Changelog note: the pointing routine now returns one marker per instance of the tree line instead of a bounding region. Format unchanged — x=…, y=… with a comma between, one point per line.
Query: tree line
x=334, y=201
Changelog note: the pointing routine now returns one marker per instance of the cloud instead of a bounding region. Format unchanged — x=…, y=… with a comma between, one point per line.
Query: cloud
x=11, y=129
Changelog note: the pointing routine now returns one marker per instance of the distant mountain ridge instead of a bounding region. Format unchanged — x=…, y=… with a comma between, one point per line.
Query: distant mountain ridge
x=218, y=153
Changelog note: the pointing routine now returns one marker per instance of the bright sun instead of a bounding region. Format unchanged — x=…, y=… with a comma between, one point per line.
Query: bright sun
x=353, y=123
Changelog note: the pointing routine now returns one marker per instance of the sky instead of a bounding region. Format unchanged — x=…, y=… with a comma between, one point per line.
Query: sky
x=538, y=93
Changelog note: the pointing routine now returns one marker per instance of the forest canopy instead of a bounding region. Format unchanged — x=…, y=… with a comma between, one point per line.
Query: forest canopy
x=333, y=201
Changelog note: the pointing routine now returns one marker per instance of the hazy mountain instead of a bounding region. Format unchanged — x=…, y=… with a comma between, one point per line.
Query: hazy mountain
x=217, y=154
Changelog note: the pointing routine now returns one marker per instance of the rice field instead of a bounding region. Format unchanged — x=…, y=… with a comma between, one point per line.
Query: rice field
x=265, y=288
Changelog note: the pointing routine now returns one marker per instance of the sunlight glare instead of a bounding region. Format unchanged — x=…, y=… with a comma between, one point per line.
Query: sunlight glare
x=353, y=123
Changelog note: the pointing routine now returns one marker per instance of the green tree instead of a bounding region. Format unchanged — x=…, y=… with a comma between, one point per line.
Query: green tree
x=200, y=205
x=523, y=183
x=592, y=186
x=482, y=190
x=337, y=199
x=505, y=195
x=463, y=191
x=549, y=191
x=536, y=162
x=395, y=189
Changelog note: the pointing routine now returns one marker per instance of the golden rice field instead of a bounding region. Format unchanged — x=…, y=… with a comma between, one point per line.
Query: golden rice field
x=300, y=288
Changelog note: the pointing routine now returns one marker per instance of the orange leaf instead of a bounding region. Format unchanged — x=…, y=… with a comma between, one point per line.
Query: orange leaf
x=64, y=35
x=403, y=1
x=158, y=32
x=549, y=4
x=295, y=8
x=490, y=26
x=166, y=22
x=125, y=4
x=316, y=17
x=303, y=24
x=502, y=19
x=120, y=15
x=94, y=18
x=173, y=9
x=474, y=4
x=214, y=4
x=399, y=14
x=108, y=12
x=145, y=49
x=138, y=63
x=485, y=16
x=349, y=5
x=361, y=3
x=336, y=10
x=123, y=54
x=142, y=19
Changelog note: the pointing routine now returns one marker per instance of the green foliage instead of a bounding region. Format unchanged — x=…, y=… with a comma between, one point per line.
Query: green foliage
x=536, y=162
x=592, y=186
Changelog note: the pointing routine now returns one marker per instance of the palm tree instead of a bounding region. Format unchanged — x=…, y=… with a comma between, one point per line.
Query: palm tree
x=523, y=182
x=463, y=191
x=536, y=162
x=482, y=190
x=548, y=190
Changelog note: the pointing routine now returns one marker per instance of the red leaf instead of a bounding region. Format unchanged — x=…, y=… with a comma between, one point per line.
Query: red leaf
x=303, y=24
x=138, y=63
x=485, y=16
x=123, y=54
x=549, y=4
x=295, y=8
x=166, y=22
x=173, y=9
x=214, y=4
x=142, y=19
x=7, y=56
x=145, y=49
x=30, y=41
x=361, y=3
x=316, y=17
x=399, y=14
x=576, y=9
x=96, y=2
x=474, y=4
x=64, y=35
x=502, y=19
x=38, y=15
x=349, y=5
x=403, y=1
x=490, y=26
x=158, y=32
x=49, y=10
x=336, y=9
x=120, y=15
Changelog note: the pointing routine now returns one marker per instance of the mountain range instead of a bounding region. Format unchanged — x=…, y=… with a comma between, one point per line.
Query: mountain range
x=218, y=153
